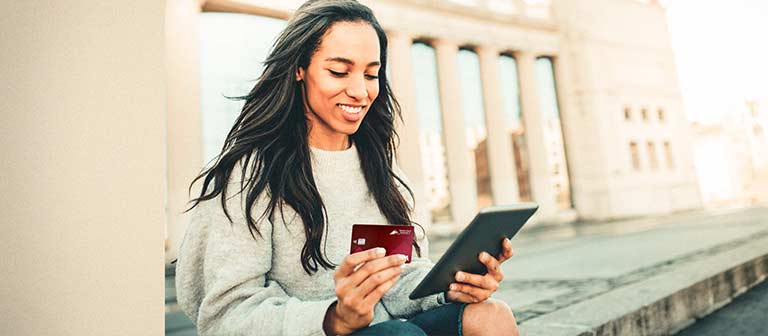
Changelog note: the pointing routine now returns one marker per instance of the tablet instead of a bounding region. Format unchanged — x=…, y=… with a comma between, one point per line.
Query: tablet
x=484, y=233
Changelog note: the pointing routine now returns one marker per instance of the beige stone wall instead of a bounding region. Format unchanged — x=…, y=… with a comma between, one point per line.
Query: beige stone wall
x=83, y=168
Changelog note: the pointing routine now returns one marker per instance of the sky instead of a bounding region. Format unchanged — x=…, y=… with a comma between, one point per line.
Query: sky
x=721, y=51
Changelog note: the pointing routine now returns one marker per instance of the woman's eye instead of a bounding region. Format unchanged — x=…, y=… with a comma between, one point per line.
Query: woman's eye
x=338, y=74
x=371, y=77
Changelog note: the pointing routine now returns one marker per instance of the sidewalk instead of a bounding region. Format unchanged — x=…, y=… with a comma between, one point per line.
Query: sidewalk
x=646, y=276
x=633, y=277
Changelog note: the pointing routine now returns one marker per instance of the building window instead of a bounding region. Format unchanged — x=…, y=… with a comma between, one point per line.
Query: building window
x=431, y=135
x=228, y=67
x=634, y=155
x=669, y=155
x=652, y=159
x=474, y=120
x=627, y=113
x=514, y=124
x=644, y=113
x=553, y=132
x=660, y=113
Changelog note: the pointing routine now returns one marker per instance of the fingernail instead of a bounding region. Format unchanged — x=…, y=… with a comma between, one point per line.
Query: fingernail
x=381, y=250
x=402, y=257
x=460, y=276
x=453, y=287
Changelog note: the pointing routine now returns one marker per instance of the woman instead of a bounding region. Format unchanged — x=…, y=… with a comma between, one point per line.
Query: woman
x=310, y=155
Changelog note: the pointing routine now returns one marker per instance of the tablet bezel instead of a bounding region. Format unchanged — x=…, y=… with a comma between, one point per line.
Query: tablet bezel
x=462, y=254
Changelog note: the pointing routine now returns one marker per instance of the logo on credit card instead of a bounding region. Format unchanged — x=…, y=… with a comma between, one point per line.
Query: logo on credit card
x=402, y=232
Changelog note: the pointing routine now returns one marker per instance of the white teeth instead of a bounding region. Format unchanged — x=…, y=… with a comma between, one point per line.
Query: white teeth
x=351, y=109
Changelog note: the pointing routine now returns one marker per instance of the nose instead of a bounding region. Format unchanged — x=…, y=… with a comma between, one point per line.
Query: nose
x=356, y=89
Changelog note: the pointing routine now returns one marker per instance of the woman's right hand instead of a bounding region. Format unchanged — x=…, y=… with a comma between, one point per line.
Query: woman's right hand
x=358, y=291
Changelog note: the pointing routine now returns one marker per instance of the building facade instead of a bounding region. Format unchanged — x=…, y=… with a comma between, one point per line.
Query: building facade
x=732, y=158
x=573, y=104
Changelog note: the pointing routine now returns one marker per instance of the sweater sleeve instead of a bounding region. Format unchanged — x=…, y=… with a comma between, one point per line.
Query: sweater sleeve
x=221, y=279
x=396, y=300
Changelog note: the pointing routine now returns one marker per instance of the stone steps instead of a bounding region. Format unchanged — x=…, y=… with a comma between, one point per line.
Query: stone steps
x=663, y=304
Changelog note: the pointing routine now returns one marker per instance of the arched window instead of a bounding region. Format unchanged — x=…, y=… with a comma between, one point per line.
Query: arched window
x=634, y=155
x=652, y=158
x=669, y=154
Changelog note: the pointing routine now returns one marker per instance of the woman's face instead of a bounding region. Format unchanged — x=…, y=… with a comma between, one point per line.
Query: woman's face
x=341, y=81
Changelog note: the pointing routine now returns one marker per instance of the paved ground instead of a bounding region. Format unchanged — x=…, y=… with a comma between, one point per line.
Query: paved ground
x=560, y=266
x=747, y=315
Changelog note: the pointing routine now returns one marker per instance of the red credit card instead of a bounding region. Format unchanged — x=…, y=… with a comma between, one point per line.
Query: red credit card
x=396, y=239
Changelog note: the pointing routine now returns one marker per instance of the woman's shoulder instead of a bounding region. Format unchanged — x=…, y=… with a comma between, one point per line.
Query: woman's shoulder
x=234, y=196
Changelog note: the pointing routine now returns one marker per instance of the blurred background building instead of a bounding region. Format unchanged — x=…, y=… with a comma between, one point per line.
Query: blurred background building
x=573, y=104
x=735, y=150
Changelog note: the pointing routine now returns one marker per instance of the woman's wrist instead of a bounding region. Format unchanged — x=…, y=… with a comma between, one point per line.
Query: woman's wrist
x=331, y=323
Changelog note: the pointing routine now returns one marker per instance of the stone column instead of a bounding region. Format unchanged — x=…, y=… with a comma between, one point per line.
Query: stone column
x=409, y=152
x=568, y=121
x=500, y=157
x=460, y=160
x=542, y=190
x=185, y=145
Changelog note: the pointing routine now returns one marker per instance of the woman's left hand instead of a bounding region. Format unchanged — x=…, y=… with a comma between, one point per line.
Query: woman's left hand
x=473, y=288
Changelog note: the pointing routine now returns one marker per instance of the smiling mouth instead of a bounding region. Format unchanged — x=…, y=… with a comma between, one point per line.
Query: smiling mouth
x=351, y=109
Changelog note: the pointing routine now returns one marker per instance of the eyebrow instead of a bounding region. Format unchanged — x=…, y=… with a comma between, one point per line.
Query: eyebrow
x=348, y=61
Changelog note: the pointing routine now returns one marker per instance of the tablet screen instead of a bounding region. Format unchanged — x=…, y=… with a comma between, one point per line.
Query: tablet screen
x=485, y=233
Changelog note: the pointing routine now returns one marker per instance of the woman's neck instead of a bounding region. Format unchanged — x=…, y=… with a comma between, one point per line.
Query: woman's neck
x=328, y=142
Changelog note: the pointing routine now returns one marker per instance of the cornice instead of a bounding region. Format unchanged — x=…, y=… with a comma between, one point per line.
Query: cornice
x=482, y=13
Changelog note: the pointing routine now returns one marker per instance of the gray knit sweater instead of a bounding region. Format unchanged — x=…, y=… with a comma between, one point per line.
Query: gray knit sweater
x=230, y=284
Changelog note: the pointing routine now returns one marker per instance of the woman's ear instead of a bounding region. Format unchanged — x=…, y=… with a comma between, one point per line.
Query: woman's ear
x=300, y=74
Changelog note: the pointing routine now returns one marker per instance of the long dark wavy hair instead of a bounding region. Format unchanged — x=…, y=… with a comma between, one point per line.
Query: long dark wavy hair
x=269, y=137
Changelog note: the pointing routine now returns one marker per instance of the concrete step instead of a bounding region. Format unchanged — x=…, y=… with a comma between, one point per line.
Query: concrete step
x=665, y=303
